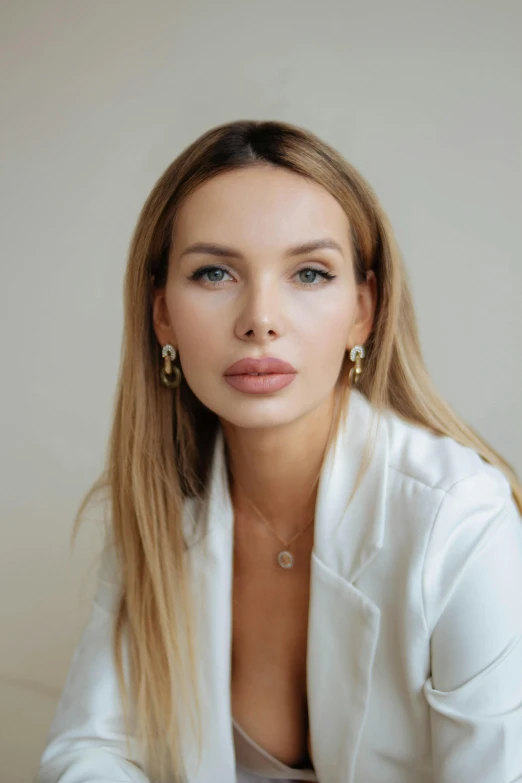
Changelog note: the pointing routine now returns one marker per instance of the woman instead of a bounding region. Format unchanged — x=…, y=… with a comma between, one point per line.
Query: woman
x=313, y=568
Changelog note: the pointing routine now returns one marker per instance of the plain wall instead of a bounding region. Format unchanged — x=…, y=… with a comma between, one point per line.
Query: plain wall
x=98, y=98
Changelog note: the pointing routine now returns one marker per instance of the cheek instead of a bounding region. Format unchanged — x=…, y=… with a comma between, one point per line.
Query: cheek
x=325, y=326
x=323, y=356
x=195, y=329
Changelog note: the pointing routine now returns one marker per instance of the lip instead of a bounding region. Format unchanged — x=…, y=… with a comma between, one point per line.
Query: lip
x=260, y=384
x=266, y=364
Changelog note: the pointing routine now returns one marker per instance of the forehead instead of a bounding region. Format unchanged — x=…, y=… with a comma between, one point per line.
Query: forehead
x=268, y=205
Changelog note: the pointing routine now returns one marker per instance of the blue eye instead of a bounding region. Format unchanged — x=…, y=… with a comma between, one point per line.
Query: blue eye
x=325, y=275
x=209, y=270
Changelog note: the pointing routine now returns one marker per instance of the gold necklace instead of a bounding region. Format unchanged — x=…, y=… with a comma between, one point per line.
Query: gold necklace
x=284, y=558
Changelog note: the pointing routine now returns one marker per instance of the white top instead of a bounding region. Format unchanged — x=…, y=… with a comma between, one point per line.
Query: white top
x=252, y=758
x=414, y=647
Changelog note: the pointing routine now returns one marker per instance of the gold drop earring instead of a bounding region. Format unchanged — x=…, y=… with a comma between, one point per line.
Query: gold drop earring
x=357, y=354
x=170, y=375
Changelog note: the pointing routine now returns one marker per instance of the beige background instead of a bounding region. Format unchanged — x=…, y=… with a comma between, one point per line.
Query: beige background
x=98, y=97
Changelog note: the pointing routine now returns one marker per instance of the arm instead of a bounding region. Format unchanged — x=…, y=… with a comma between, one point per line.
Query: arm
x=472, y=584
x=86, y=742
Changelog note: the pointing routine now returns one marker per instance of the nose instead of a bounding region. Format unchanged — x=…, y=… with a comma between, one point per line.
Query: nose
x=260, y=317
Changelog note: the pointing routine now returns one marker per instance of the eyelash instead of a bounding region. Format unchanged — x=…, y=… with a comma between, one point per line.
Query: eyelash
x=198, y=273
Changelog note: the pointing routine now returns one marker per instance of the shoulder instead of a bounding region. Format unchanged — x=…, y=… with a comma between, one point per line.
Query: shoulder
x=457, y=509
x=109, y=580
x=445, y=494
x=439, y=462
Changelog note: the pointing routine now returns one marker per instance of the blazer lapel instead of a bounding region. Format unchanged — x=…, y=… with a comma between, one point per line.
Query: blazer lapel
x=344, y=623
x=209, y=525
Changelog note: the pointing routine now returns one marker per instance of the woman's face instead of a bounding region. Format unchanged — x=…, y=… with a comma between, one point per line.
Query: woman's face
x=253, y=295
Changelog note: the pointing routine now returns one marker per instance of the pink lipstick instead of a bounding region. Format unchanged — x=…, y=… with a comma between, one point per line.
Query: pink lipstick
x=260, y=376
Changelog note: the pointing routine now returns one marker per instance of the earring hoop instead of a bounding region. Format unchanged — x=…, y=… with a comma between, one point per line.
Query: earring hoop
x=170, y=375
x=357, y=354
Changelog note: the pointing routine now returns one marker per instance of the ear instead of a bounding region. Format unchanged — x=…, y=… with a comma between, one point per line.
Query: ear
x=160, y=317
x=366, y=305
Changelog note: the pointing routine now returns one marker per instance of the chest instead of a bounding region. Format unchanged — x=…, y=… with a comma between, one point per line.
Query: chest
x=269, y=646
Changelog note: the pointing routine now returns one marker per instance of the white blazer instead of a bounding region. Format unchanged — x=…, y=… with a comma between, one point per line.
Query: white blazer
x=414, y=635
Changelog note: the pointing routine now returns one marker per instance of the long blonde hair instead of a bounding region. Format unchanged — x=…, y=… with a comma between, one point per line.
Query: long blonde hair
x=161, y=441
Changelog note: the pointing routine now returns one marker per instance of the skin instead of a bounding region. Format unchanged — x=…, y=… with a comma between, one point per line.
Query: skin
x=265, y=304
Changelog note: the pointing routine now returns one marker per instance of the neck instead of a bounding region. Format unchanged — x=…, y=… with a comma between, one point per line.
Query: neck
x=276, y=469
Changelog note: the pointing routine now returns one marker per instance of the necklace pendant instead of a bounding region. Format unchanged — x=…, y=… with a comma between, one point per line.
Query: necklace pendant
x=285, y=559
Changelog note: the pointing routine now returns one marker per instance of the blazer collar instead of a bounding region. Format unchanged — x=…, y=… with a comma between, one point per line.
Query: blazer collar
x=347, y=537
x=343, y=623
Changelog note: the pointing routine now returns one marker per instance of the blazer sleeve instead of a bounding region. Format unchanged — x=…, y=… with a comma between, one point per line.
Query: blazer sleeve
x=86, y=741
x=472, y=589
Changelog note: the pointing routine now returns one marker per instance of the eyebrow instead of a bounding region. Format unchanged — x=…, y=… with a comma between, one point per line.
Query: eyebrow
x=210, y=248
